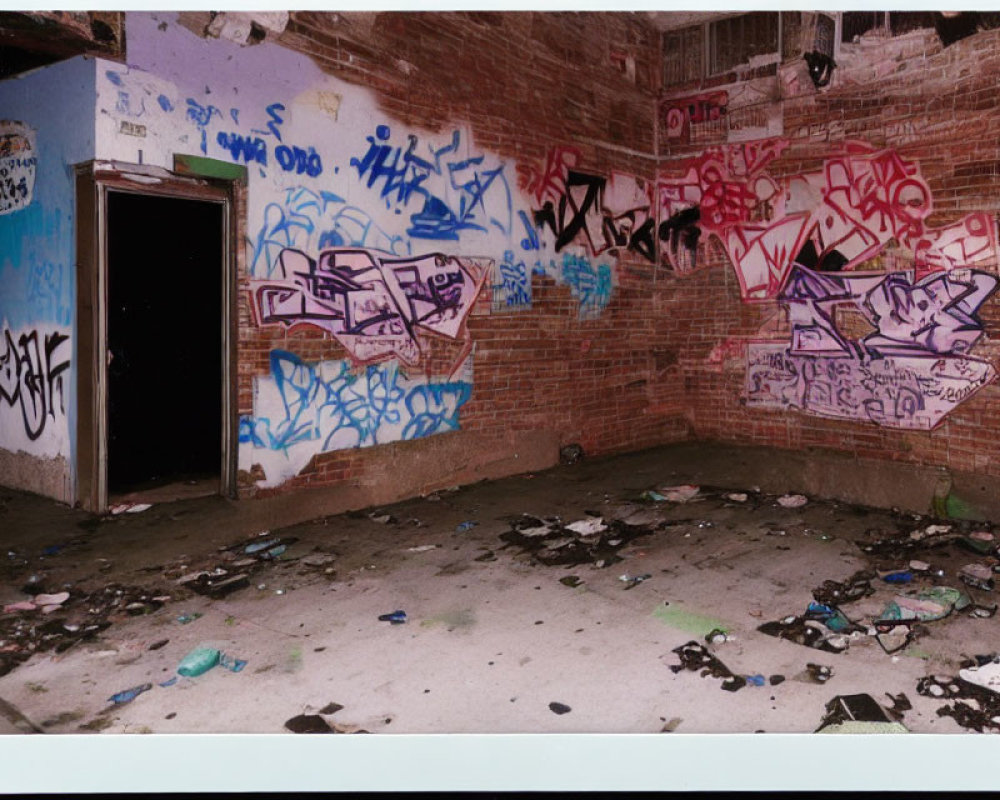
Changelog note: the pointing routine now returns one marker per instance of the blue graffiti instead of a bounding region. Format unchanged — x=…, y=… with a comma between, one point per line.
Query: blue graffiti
x=514, y=289
x=124, y=105
x=201, y=116
x=531, y=241
x=114, y=77
x=591, y=284
x=276, y=119
x=165, y=103
x=326, y=403
x=235, y=114
x=450, y=190
x=243, y=148
x=298, y=160
x=308, y=221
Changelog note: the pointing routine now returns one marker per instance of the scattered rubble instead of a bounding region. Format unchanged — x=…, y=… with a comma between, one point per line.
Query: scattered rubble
x=858, y=713
x=551, y=543
x=694, y=656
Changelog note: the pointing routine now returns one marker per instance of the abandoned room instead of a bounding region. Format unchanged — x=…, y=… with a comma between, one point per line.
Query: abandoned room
x=499, y=372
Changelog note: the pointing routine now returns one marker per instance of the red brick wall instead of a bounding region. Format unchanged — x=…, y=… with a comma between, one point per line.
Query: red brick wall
x=936, y=105
x=523, y=83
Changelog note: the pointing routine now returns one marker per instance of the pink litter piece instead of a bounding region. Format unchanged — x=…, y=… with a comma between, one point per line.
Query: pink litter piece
x=792, y=501
x=23, y=605
x=679, y=494
x=51, y=599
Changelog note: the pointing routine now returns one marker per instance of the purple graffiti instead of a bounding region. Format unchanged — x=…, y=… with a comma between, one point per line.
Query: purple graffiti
x=375, y=307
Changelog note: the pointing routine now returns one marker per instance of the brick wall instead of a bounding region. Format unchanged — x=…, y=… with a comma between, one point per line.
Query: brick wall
x=666, y=360
x=933, y=104
x=523, y=83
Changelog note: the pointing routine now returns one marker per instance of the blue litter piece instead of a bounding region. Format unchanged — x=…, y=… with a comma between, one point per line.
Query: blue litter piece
x=466, y=526
x=898, y=577
x=755, y=680
x=129, y=694
x=397, y=617
x=171, y=682
x=232, y=664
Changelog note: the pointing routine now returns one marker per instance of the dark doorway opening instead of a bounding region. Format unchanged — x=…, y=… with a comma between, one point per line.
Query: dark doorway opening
x=165, y=272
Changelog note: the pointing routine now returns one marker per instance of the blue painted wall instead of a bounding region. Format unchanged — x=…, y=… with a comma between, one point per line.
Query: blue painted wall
x=37, y=247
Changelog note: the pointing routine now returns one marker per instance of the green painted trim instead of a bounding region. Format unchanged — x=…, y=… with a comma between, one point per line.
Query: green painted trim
x=209, y=168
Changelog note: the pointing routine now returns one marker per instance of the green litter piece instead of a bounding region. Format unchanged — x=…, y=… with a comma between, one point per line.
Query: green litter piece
x=198, y=661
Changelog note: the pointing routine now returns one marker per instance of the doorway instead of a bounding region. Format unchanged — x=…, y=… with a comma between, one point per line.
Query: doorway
x=164, y=343
x=156, y=310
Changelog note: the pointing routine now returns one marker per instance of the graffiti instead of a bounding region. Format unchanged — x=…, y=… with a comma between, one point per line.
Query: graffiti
x=17, y=166
x=31, y=376
x=679, y=236
x=831, y=220
x=679, y=116
x=304, y=409
x=448, y=192
x=201, y=116
x=909, y=371
x=243, y=148
x=589, y=283
x=511, y=284
x=898, y=391
x=310, y=221
x=376, y=308
x=933, y=316
x=295, y=159
x=605, y=214
x=253, y=149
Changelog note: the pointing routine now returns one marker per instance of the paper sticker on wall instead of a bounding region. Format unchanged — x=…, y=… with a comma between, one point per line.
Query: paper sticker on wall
x=18, y=159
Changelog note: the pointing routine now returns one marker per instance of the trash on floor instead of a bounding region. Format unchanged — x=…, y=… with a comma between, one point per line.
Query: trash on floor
x=382, y=519
x=129, y=508
x=655, y=496
x=631, y=581
x=184, y=619
x=588, y=527
x=308, y=723
x=717, y=636
x=974, y=707
x=129, y=695
x=985, y=673
x=792, y=500
x=816, y=673
x=559, y=708
x=737, y=497
x=572, y=581
x=695, y=656
x=423, y=548
x=978, y=576
x=857, y=713
x=198, y=661
x=679, y=494
x=397, y=617
x=808, y=632
x=465, y=526
x=570, y=454
x=550, y=543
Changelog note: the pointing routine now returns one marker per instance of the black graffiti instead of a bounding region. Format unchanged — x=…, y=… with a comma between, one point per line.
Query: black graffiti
x=32, y=375
x=682, y=230
x=821, y=67
x=581, y=205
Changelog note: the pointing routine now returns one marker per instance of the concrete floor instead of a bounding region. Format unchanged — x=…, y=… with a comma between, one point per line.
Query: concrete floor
x=493, y=637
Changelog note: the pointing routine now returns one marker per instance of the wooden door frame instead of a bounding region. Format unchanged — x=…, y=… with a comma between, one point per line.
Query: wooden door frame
x=94, y=181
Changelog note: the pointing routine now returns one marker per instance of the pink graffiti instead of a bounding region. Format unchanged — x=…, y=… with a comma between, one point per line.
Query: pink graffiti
x=677, y=115
x=377, y=308
x=835, y=219
x=548, y=182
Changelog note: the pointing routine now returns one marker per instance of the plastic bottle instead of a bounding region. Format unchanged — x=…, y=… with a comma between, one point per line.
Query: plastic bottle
x=198, y=661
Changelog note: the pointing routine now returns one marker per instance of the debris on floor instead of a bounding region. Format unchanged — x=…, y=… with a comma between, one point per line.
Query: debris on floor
x=129, y=508
x=858, y=713
x=127, y=696
x=792, y=501
x=308, y=723
x=694, y=656
x=679, y=494
x=570, y=454
x=976, y=703
x=551, y=543
x=559, y=708
x=198, y=661
x=397, y=617
x=631, y=581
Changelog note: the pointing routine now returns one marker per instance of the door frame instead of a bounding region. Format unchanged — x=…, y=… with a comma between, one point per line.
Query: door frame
x=94, y=181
